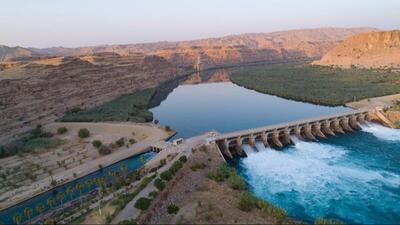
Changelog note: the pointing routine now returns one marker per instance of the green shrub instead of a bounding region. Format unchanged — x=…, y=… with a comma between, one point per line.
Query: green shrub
x=236, y=182
x=323, y=221
x=172, y=209
x=221, y=174
x=153, y=194
x=183, y=158
x=142, y=203
x=132, y=141
x=104, y=150
x=168, y=128
x=163, y=162
x=62, y=130
x=120, y=142
x=131, y=107
x=97, y=144
x=41, y=143
x=175, y=167
x=166, y=175
x=160, y=184
x=83, y=133
x=198, y=166
x=247, y=202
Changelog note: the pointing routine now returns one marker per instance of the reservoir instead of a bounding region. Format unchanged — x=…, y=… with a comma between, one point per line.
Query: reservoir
x=353, y=177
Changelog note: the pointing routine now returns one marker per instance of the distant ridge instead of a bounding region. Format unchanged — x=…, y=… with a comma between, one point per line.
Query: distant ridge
x=367, y=50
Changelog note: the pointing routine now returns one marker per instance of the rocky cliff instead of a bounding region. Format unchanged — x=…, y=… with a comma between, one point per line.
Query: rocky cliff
x=367, y=50
x=38, y=91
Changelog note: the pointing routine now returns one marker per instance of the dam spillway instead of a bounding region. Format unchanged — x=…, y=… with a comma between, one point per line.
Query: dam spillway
x=278, y=136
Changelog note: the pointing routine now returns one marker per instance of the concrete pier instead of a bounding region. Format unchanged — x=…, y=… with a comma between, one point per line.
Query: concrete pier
x=280, y=135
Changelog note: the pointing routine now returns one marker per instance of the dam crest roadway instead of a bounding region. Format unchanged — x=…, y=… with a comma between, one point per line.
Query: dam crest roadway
x=279, y=135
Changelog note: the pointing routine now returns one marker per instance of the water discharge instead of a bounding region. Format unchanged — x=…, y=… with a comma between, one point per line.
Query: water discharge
x=335, y=178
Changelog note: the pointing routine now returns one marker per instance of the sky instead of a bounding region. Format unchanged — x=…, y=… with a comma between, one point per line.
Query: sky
x=74, y=23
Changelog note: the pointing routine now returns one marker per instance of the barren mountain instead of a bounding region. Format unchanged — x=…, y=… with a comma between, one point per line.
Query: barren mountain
x=7, y=53
x=367, y=50
x=230, y=50
x=41, y=90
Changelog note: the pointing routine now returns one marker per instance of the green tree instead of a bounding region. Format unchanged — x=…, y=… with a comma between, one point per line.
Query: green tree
x=28, y=213
x=83, y=133
x=17, y=218
x=70, y=191
x=89, y=183
x=79, y=187
x=40, y=209
x=50, y=202
x=60, y=197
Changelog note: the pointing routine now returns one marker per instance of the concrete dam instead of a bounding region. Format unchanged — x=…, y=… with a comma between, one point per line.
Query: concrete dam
x=279, y=135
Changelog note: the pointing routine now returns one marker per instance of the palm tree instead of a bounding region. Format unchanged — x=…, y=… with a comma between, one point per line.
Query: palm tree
x=50, y=202
x=40, y=209
x=89, y=184
x=28, y=213
x=79, y=186
x=124, y=169
x=60, y=197
x=70, y=191
x=17, y=218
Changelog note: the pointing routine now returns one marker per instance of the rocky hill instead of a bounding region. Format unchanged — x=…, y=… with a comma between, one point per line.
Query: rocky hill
x=38, y=91
x=230, y=50
x=367, y=50
x=7, y=53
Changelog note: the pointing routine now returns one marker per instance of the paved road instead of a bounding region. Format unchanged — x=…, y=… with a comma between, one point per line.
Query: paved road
x=130, y=212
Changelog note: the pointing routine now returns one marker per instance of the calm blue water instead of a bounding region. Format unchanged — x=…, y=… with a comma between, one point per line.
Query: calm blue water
x=353, y=177
x=195, y=109
x=6, y=217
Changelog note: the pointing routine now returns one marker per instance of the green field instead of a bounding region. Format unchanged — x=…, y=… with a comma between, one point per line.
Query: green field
x=132, y=107
x=320, y=85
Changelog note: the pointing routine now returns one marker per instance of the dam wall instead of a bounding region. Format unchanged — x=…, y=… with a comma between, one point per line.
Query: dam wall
x=279, y=135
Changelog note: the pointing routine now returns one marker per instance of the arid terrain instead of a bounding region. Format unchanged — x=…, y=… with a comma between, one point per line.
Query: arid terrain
x=368, y=50
x=40, y=85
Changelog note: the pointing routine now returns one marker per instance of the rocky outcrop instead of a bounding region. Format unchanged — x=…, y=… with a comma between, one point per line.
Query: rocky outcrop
x=7, y=53
x=367, y=50
x=35, y=93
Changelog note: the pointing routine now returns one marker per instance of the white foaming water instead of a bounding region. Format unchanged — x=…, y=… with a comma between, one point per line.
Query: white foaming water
x=318, y=174
x=381, y=132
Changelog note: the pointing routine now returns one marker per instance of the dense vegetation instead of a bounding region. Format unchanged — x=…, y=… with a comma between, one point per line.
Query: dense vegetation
x=37, y=139
x=132, y=107
x=321, y=85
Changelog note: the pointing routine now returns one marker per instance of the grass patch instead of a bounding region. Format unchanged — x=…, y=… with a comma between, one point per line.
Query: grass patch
x=320, y=85
x=42, y=143
x=198, y=166
x=221, y=174
x=248, y=202
x=132, y=107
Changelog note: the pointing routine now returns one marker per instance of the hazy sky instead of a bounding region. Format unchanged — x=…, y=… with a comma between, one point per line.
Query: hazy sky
x=72, y=23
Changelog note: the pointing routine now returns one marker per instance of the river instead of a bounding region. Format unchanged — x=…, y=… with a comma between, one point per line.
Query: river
x=353, y=177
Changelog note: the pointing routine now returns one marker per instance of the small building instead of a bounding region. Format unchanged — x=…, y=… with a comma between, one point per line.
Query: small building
x=177, y=141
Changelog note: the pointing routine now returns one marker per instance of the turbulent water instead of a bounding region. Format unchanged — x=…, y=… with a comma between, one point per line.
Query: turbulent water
x=353, y=177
